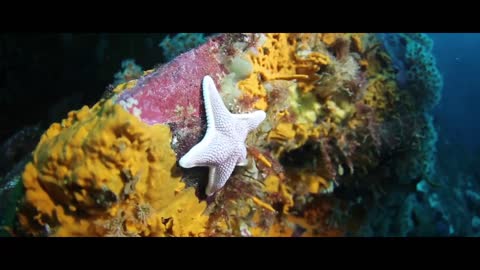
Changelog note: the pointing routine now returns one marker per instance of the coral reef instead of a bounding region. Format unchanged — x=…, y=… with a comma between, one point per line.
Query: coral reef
x=417, y=70
x=104, y=172
x=338, y=142
x=409, y=203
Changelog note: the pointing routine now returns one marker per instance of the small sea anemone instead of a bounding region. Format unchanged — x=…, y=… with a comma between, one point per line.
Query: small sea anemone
x=345, y=70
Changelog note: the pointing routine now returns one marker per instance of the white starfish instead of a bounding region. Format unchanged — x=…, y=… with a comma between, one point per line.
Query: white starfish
x=223, y=146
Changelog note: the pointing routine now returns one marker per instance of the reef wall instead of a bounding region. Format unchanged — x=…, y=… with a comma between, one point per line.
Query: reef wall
x=345, y=131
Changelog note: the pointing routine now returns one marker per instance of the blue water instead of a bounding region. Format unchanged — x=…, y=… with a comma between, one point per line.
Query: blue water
x=458, y=147
x=458, y=58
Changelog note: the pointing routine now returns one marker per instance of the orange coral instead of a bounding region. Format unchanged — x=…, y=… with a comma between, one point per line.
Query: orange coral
x=104, y=172
x=276, y=59
x=357, y=43
x=329, y=38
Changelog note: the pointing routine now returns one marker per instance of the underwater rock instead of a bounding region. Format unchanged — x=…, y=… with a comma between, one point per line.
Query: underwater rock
x=11, y=193
x=473, y=198
x=18, y=146
x=335, y=118
x=422, y=186
x=476, y=223
x=171, y=94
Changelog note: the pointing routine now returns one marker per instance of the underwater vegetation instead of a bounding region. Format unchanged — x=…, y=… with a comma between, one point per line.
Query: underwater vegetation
x=180, y=43
x=130, y=71
x=348, y=136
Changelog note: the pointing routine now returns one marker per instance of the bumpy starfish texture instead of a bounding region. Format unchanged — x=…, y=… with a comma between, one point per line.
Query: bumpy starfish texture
x=223, y=146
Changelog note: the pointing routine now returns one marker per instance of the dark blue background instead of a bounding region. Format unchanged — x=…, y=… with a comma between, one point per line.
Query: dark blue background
x=458, y=58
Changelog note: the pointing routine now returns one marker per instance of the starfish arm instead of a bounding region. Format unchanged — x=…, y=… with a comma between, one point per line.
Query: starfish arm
x=198, y=155
x=217, y=114
x=223, y=146
x=252, y=119
x=219, y=175
x=242, y=162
